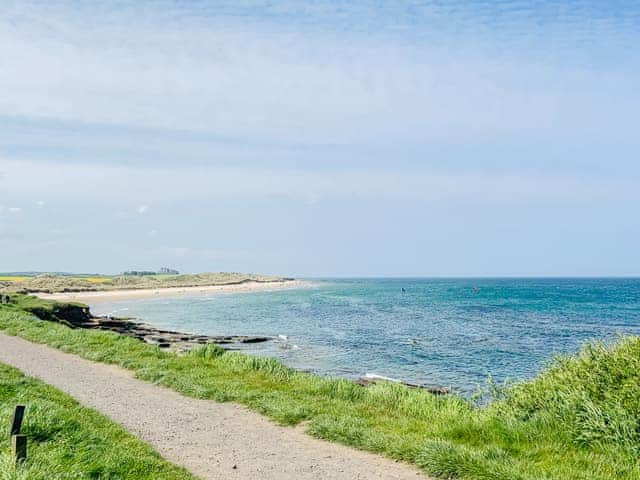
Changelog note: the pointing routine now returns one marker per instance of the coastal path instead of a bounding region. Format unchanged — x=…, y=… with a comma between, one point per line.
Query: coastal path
x=212, y=440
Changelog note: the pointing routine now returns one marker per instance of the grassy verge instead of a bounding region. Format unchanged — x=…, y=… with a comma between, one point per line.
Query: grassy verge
x=579, y=419
x=69, y=441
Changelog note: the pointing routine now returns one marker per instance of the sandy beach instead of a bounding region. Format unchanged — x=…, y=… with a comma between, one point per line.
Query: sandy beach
x=93, y=297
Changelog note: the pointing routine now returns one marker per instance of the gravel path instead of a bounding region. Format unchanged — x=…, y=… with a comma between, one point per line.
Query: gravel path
x=212, y=440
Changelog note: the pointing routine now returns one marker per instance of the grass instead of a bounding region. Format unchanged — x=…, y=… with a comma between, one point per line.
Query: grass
x=578, y=420
x=51, y=283
x=69, y=441
x=30, y=302
x=62, y=312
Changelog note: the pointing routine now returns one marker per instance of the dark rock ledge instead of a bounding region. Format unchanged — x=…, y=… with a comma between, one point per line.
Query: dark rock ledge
x=75, y=315
x=166, y=339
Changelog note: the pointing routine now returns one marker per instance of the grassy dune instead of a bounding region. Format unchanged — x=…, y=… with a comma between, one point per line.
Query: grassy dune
x=69, y=441
x=51, y=283
x=579, y=419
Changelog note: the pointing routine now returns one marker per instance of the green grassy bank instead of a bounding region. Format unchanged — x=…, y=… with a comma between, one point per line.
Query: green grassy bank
x=68, y=441
x=579, y=419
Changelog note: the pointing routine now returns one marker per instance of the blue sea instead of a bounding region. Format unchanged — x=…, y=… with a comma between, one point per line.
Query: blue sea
x=445, y=332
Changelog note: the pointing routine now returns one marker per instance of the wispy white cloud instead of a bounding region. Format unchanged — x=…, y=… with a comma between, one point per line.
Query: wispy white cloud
x=164, y=185
x=255, y=80
x=9, y=210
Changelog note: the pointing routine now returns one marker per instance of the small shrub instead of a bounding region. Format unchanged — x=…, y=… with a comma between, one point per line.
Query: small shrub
x=208, y=351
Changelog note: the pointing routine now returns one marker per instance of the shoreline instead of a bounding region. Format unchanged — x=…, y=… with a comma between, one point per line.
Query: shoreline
x=97, y=296
x=181, y=341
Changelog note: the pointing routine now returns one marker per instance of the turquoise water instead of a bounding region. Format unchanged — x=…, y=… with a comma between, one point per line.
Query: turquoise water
x=450, y=332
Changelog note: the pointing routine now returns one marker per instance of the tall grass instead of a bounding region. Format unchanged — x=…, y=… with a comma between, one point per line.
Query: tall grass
x=68, y=441
x=209, y=351
x=578, y=420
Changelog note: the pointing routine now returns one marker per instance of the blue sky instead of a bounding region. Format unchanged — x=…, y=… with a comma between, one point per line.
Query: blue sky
x=321, y=138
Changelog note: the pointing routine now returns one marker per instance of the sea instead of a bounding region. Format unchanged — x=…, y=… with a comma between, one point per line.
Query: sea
x=439, y=332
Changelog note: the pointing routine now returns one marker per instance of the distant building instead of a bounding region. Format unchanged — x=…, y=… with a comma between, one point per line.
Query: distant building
x=168, y=271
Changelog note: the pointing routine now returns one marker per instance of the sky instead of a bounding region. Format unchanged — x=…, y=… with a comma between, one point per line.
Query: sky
x=321, y=138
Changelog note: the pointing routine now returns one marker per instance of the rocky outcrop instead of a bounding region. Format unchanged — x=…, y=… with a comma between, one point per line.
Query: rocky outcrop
x=68, y=313
x=367, y=381
x=166, y=339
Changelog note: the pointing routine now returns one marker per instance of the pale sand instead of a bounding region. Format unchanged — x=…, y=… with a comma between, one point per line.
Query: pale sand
x=132, y=294
x=211, y=440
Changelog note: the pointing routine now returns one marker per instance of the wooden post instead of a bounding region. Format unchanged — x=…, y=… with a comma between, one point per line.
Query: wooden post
x=19, y=447
x=16, y=424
